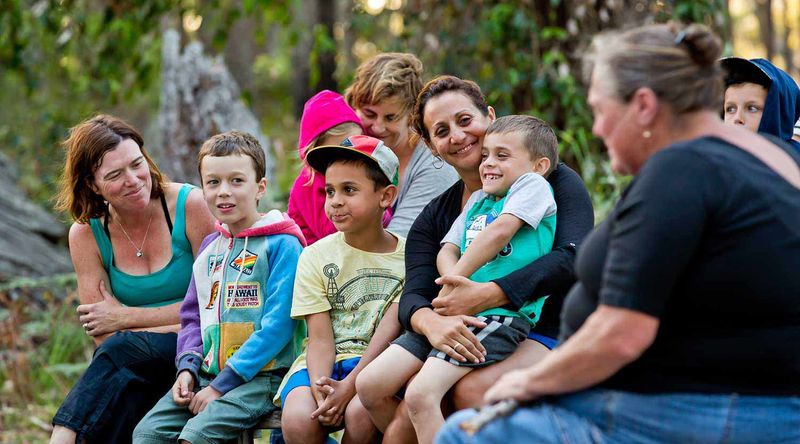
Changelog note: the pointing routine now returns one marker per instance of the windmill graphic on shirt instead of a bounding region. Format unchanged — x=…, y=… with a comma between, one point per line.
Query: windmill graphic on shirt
x=332, y=292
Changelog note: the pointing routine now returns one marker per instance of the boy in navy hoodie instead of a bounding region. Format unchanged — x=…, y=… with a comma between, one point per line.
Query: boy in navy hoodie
x=237, y=337
x=762, y=97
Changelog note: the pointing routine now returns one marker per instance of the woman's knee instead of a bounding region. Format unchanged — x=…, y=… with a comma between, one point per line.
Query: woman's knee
x=118, y=342
x=126, y=347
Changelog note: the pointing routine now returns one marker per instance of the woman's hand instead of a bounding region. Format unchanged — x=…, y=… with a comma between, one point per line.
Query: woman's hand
x=106, y=316
x=513, y=385
x=467, y=297
x=451, y=335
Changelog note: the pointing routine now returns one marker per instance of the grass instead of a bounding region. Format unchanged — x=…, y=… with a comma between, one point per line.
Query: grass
x=43, y=350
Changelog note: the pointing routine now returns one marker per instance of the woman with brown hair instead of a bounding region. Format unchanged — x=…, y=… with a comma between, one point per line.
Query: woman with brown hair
x=451, y=115
x=382, y=94
x=132, y=246
x=684, y=323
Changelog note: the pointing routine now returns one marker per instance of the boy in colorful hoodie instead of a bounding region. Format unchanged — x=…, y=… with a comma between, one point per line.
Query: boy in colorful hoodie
x=237, y=337
x=761, y=97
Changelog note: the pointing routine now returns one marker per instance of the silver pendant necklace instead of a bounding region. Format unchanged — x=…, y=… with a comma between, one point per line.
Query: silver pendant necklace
x=139, y=252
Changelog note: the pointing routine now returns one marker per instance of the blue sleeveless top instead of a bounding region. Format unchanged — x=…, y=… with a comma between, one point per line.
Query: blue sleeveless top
x=167, y=285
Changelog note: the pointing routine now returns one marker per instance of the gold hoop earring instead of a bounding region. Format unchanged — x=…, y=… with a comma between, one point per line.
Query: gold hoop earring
x=647, y=134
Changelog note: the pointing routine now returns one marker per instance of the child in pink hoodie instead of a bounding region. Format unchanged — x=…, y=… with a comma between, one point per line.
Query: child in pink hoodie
x=327, y=120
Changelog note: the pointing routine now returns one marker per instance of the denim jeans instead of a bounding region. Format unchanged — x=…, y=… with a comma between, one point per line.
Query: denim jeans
x=129, y=372
x=608, y=416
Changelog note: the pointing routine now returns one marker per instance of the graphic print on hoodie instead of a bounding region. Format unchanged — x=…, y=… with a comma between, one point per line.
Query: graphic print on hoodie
x=235, y=319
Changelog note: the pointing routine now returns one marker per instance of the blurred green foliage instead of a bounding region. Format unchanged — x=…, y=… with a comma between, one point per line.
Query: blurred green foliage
x=527, y=57
x=63, y=60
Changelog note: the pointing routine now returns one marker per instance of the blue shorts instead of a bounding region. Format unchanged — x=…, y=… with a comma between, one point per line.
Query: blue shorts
x=300, y=378
x=547, y=341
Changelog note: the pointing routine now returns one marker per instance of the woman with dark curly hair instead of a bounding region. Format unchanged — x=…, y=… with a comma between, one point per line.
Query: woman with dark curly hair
x=452, y=116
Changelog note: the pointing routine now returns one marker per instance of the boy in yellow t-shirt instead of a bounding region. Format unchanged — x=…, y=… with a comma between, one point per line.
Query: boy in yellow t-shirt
x=346, y=288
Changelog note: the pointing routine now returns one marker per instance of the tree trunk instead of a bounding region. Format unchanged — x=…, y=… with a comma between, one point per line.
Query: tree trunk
x=326, y=16
x=784, y=44
x=199, y=99
x=763, y=9
x=308, y=15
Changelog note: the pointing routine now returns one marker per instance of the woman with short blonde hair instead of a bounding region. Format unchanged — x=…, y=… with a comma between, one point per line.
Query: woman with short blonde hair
x=382, y=94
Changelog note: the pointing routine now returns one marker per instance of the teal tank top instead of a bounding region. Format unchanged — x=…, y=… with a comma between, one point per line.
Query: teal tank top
x=165, y=286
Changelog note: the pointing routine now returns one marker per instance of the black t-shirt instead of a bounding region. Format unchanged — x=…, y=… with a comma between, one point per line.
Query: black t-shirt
x=707, y=239
x=551, y=274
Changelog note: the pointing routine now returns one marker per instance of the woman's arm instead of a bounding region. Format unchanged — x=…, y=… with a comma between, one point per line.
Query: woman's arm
x=610, y=339
x=102, y=318
x=90, y=273
x=552, y=274
x=422, y=247
x=450, y=334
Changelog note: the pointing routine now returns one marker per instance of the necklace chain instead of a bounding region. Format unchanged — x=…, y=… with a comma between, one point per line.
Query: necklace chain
x=139, y=252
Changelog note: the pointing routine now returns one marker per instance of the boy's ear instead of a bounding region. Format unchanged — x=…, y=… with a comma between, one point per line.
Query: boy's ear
x=262, y=188
x=541, y=166
x=388, y=196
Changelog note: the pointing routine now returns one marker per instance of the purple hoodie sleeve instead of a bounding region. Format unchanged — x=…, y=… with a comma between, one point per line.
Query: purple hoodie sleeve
x=189, y=354
x=190, y=338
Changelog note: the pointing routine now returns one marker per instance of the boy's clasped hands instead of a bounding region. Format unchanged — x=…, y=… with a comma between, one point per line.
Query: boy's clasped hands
x=332, y=398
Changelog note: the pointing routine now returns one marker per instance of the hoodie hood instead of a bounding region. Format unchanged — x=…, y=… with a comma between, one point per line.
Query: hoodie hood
x=273, y=222
x=782, y=107
x=322, y=112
